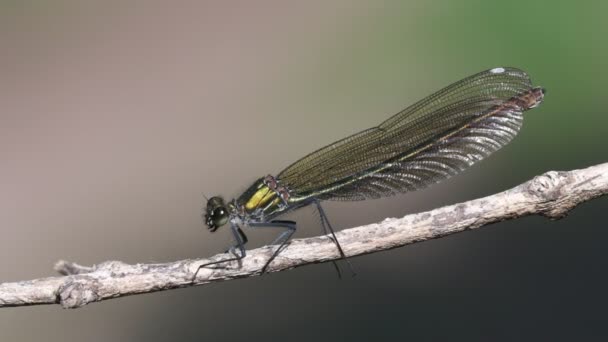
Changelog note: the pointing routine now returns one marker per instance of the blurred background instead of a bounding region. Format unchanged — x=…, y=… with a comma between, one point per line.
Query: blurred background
x=116, y=117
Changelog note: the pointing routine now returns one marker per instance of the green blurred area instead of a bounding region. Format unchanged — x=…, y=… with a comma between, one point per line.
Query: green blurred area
x=399, y=52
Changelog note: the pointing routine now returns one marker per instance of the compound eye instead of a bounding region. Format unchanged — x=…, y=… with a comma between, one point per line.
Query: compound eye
x=219, y=216
x=219, y=212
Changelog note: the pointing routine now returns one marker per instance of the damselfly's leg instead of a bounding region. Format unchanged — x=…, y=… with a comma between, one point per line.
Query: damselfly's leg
x=281, y=240
x=240, y=239
x=327, y=226
x=333, y=262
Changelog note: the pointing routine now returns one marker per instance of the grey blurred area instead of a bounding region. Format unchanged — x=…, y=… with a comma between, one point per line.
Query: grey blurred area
x=116, y=117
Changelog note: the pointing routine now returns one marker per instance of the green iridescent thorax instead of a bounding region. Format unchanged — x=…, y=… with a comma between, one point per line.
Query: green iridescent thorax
x=262, y=202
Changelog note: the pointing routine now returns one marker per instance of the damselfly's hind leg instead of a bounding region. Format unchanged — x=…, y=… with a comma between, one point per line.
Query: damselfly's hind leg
x=237, y=251
x=281, y=240
x=327, y=227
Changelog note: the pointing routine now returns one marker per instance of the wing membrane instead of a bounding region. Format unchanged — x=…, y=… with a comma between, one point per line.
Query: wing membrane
x=431, y=140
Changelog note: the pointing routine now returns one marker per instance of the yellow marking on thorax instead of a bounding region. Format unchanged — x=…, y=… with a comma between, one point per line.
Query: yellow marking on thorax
x=260, y=198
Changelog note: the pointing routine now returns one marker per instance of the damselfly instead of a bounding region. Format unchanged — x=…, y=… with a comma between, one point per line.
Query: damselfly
x=425, y=143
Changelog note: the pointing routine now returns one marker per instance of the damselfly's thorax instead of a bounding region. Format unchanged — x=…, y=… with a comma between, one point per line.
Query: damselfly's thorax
x=264, y=199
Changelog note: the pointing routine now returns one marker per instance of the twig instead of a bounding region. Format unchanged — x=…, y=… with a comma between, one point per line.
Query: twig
x=552, y=195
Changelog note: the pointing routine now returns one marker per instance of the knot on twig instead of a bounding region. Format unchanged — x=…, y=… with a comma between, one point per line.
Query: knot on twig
x=554, y=190
x=547, y=185
x=76, y=293
x=548, y=188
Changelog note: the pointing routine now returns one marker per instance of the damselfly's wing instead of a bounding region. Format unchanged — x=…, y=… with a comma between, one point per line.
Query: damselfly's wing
x=431, y=140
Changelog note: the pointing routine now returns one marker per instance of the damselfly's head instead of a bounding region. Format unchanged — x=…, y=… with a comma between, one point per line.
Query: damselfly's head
x=216, y=214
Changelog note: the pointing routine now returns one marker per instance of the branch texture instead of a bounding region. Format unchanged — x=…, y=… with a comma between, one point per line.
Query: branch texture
x=552, y=195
